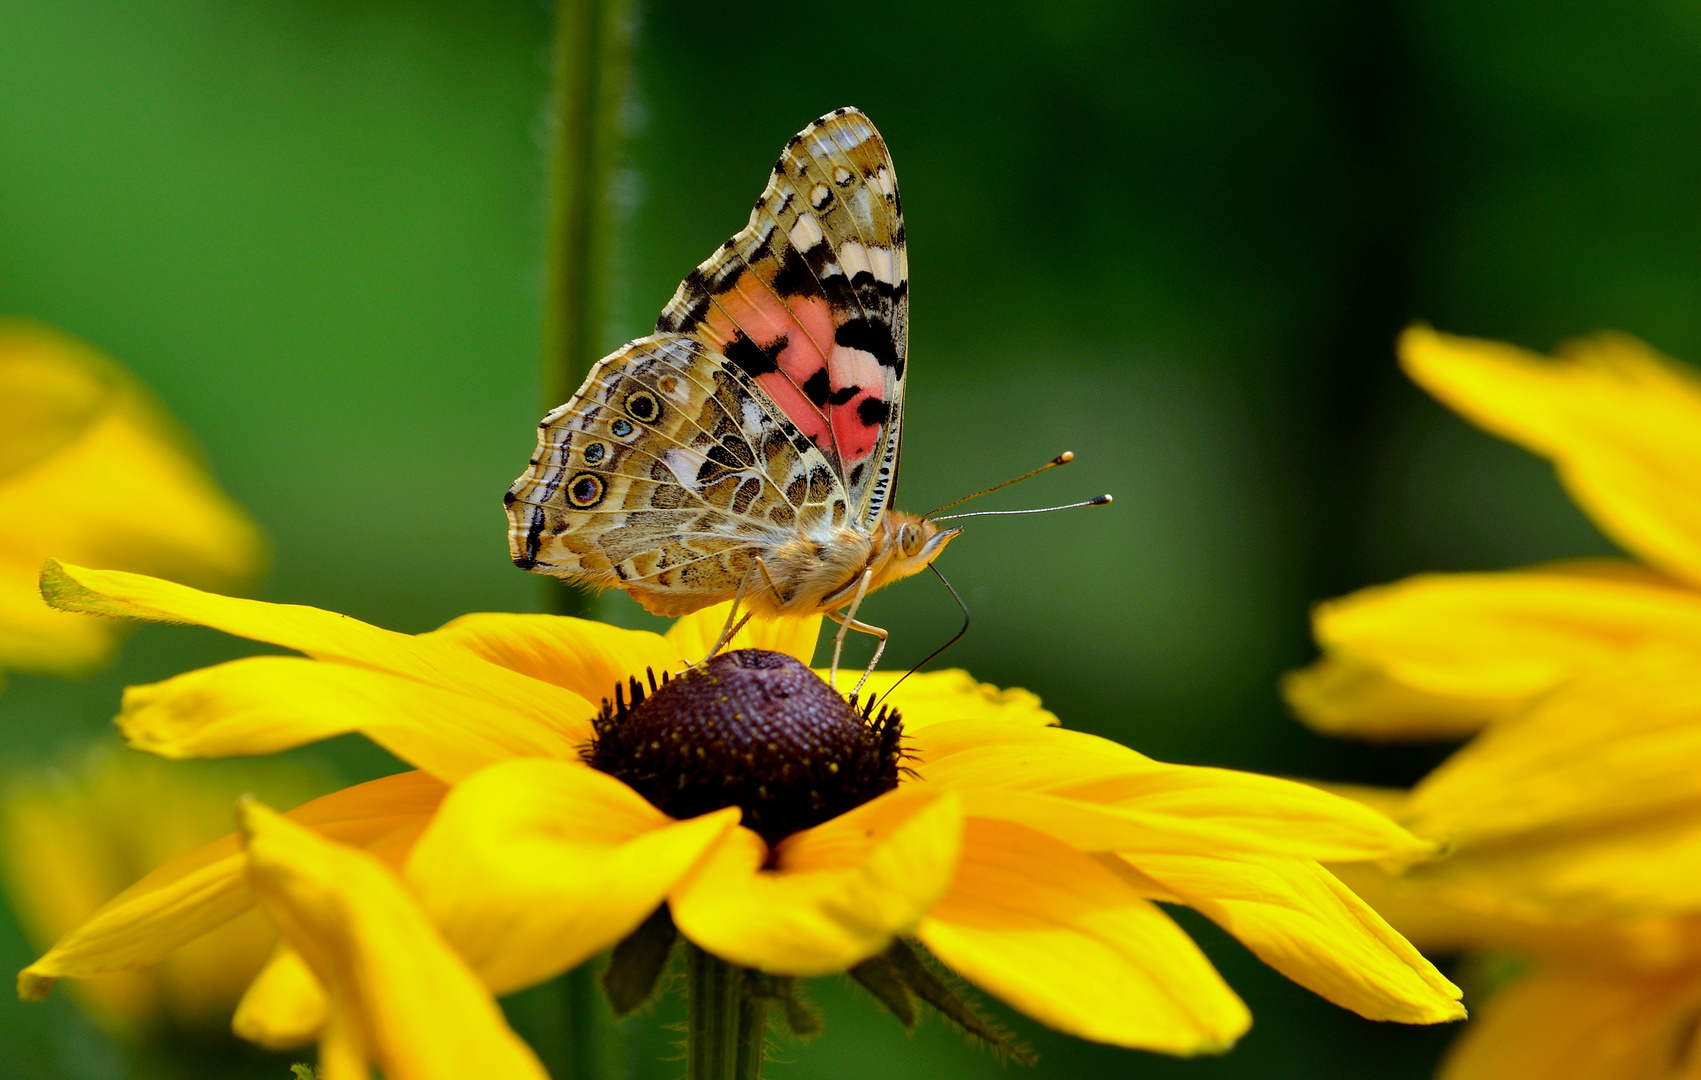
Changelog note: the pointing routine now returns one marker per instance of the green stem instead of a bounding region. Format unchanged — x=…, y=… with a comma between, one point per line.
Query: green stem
x=724, y=1024
x=593, y=60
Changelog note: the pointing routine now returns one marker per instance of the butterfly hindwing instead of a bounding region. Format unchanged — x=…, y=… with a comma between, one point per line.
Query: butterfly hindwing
x=666, y=475
x=811, y=301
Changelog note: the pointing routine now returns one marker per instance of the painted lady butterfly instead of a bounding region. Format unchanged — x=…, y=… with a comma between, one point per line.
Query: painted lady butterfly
x=748, y=448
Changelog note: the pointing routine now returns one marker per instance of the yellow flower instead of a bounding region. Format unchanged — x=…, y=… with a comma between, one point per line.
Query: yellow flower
x=72, y=838
x=1021, y=855
x=1443, y=655
x=1574, y=813
x=92, y=469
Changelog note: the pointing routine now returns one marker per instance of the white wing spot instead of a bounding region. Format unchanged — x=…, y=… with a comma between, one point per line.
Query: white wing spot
x=841, y=176
x=806, y=233
x=880, y=264
x=818, y=196
x=854, y=258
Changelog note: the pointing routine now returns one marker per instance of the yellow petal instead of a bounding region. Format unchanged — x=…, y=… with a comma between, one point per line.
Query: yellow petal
x=265, y=704
x=1621, y=743
x=192, y=894
x=285, y=1006
x=1097, y=795
x=323, y=635
x=1340, y=698
x=1298, y=918
x=420, y=1011
x=844, y=890
x=1497, y=640
x=935, y=697
x=1581, y=1024
x=589, y=658
x=1621, y=423
x=1067, y=941
x=694, y=634
x=531, y=867
x=92, y=468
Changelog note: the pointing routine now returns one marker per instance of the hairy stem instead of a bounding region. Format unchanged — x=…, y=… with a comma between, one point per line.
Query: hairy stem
x=724, y=1024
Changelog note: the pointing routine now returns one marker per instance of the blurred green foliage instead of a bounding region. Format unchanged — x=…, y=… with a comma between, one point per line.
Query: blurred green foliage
x=1177, y=238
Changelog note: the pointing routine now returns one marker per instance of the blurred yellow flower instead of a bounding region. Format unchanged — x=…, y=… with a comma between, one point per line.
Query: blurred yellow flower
x=1024, y=856
x=1574, y=814
x=72, y=838
x=1443, y=655
x=93, y=469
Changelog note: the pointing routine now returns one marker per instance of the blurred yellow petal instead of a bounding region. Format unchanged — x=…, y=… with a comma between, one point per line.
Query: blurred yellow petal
x=1064, y=939
x=1621, y=743
x=1494, y=641
x=93, y=469
x=1637, y=869
x=1420, y=909
x=531, y=867
x=324, y=635
x=1097, y=795
x=1621, y=423
x=694, y=634
x=841, y=904
x=284, y=1007
x=1298, y=918
x=1581, y=1024
x=265, y=704
x=190, y=895
x=589, y=658
x=1339, y=698
x=935, y=697
x=420, y=1012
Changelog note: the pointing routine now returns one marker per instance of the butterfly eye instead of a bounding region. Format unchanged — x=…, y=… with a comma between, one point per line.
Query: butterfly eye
x=585, y=490
x=621, y=428
x=594, y=453
x=909, y=539
x=643, y=407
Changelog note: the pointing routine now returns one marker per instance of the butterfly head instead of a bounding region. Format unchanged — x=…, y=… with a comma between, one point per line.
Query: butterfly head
x=912, y=543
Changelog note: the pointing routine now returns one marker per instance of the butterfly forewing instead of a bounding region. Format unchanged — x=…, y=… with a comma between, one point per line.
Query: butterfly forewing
x=811, y=300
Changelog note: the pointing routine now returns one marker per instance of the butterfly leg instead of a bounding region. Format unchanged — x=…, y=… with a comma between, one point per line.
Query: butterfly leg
x=845, y=625
x=852, y=624
x=730, y=630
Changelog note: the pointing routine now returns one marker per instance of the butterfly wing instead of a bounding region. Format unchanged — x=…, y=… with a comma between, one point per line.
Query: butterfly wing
x=666, y=475
x=811, y=300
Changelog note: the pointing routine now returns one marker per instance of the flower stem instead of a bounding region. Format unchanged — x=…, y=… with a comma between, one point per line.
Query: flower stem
x=593, y=60
x=724, y=1022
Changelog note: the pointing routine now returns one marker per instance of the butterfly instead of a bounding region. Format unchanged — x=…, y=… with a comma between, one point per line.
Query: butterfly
x=748, y=449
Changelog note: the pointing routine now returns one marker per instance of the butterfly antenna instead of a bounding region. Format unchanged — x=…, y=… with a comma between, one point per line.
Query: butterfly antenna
x=934, y=655
x=1061, y=459
x=1102, y=500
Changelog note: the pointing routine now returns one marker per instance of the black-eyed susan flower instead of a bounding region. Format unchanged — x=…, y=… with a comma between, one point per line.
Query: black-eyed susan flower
x=1574, y=813
x=93, y=469
x=564, y=804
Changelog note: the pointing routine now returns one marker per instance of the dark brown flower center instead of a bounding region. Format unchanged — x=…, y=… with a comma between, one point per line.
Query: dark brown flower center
x=751, y=729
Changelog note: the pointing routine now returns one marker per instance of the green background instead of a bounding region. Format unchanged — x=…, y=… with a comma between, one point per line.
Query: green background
x=1175, y=236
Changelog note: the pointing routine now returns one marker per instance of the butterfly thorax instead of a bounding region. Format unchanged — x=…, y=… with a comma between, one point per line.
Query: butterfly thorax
x=805, y=575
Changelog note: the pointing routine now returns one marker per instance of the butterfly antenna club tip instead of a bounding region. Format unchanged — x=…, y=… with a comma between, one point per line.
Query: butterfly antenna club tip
x=1064, y=458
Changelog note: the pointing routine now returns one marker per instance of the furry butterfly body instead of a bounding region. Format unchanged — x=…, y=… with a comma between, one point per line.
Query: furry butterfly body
x=750, y=446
